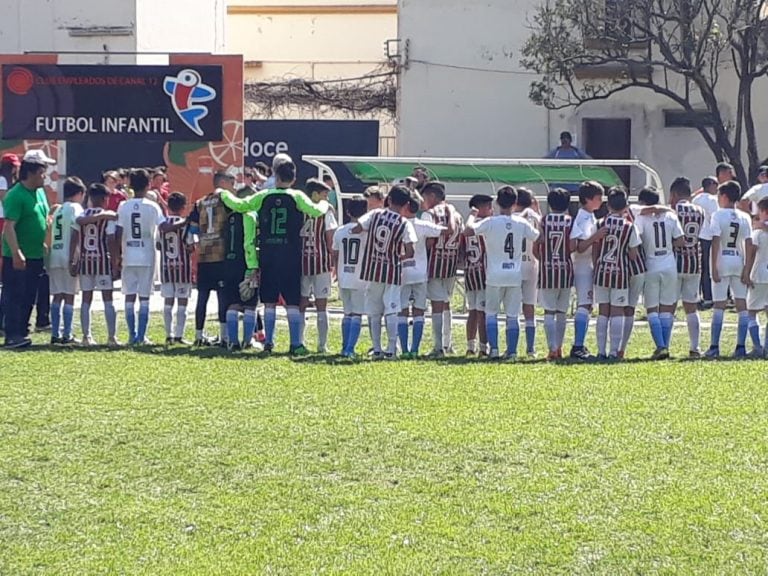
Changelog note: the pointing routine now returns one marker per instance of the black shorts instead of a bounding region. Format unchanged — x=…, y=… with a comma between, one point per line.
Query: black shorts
x=279, y=279
x=231, y=292
x=210, y=276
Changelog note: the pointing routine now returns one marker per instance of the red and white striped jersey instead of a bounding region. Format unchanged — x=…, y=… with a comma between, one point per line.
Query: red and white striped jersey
x=556, y=266
x=176, y=261
x=692, y=219
x=638, y=266
x=474, y=271
x=388, y=233
x=612, y=266
x=94, y=245
x=444, y=255
x=316, y=255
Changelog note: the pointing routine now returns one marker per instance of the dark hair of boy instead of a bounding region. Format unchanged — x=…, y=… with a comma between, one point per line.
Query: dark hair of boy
x=588, y=190
x=731, y=190
x=356, y=206
x=617, y=199
x=559, y=200
x=72, y=187
x=328, y=179
x=524, y=198
x=762, y=206
x=415, y=202
x=98, y=193
x=648, y=196
x=681, y=187
x=399, y=196
x=723, y=167
x=506, y=196
x=434, y=187
x=480, y=200
x=139, y=180
x=314, y=185
x=177, y=201
x=708, y=181
x=286, y=172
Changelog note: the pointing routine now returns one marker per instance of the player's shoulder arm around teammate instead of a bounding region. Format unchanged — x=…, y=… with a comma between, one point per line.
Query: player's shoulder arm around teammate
x=306, y=206
x=363, y=223
x=409, y=239
x=243, y=205
x=531, y=231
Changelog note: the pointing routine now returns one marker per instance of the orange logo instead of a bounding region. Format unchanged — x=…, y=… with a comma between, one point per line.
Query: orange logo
x=20, y=81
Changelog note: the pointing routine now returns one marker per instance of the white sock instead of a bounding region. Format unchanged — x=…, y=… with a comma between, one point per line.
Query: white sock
x=447, y=328
x=602, y=334
x=85, y=320
x=550, y=330
x=392, y=321
x=471, y=345
x=303, y=326
x=437, y=330
x=560, y=324
x=694, y=329
x=322, y=329
x=616, y=324
x=181, y=321
x=629, y=325
x=374, y=323
x=168, y=320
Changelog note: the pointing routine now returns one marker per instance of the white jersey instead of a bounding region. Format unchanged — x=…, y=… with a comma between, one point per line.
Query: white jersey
x=529, y=261
x=658, y=234
x=504, y=237
x=415, y=270
x=351, y=248
x=755, y=194
x=139, y=219
x=584, y=226
x=760, y=269
x=708, y=202
x=64, y=221
x=733, y=227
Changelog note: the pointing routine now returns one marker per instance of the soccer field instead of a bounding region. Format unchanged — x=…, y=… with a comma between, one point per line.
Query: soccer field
x=197, y=462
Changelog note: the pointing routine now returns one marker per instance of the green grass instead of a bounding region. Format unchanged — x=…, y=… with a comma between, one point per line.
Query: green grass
x=195, y=462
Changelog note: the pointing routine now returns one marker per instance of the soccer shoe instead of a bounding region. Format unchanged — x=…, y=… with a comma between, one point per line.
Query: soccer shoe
x=552, y=356
x=269, y=348
x=510, y=357
x=69, y=341
x=471, y=354
x=43, y=327
x=376, y=356
x=407, y=356
x=660, y=354
x=601, y=358
x=179, y=340
x=580, y=353
x=694, y=354
x=449, y=351
x=299, y=351
x=323, y=351
x=55, y=340
x=494, y=355
x=169, y=342
x=436, y=355
x=740, y=352
x=201, y=342
x=88, y=342
x=757, y=353
x=712, y=353
x=114, y=343
x=389, y=356
x=19, y=344
x=532, y=355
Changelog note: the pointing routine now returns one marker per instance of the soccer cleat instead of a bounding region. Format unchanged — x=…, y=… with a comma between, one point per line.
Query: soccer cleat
x=376, y=356
x=88, y=342
x=494, y=355
x=200, y=342
x=695, y=354
x=389, y=356
x=145, y=342
x=169, y=342
x=43, y=327
x=19, y=344
x=407, y=356
x=181, y=341
x=55, y=340
x=436, y=355
x=712, y=353
x=69, y=341
x=614, y=358
x=532, y=355
x=114, y=343
x=601, y=358
x=510, y=357
x=299, y=351
x=580, y=353
x=269, y=348
x=757, y=353
x=449, y=351
x=740, y=352
x=660, y=354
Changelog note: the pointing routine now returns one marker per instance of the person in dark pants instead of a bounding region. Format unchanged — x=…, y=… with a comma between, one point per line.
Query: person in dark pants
x=26, y=222
x=707, y=200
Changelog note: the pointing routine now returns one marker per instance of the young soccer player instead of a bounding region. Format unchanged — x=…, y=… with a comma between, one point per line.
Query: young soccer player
x=138, y=221
x=612, y=255
x=757, y=265
x=176, y=273
x=474, y=276
x=391, y=238
x=731, y=241
x=707, y=200
x=527, y=208
x=660, y=234
x=585, y=233
x=555, y=269
x=504, y=236
x=443, y=263
x=63, y=284
x=415, y=274
x=348, y=249
x=692, y=219
x=317, y=262
x=94, y=234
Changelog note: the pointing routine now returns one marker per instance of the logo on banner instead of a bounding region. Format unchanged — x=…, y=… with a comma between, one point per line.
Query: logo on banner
x=20, y=81
x=187, y=91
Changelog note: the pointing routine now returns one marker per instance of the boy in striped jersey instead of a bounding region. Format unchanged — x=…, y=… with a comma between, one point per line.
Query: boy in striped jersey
x=637, y=271
x=474, y=276
x=176, y=271
x=317, y=262
x=443, y=263
x=527, y=208
x=757, y=266
x=692, y=219
x=612, y=255
x=63, y=284
x=554, y=248
x=391, y=238
x=94, y=234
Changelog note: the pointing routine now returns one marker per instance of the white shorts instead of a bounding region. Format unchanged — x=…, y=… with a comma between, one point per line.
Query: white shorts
x=617, y=297
x=584, y=282
x=62, y=282
x=415, y=292
x=720, y=289
x=171, y=290
x=636, y=285
x=319, y=285
x=138, y=281
x=660, y=288
x=90, y=282
x=510, y=296
x=530, y=282
x=440, y=289
x=688, y=288
x=476, y=301
x=555, y=299
x=383, y=299
x=353, y=301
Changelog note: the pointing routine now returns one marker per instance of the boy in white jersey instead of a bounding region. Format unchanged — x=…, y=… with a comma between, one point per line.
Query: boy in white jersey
x=706, y=199
x=138, y=221
x=660, y=233
x=63, y=284
x=731, y=241
x=527, y=208
x=414, y=290
x=504, y=236
x=757, y=265
x=473, y=249
x=586, y=234
x=348, y=250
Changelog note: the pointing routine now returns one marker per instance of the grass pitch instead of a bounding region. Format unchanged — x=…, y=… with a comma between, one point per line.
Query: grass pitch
x=197, y=462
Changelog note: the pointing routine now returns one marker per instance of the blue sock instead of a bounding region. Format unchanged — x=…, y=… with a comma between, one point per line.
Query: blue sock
x=69, y=315
x=232, y=326
x=345, y=325
x=741, y=337
x=355, y=325
x=492, y=328
x=294, y=326
x=580, y=326
x=402, y=333
x=530, y=336
x=270, y=319
x=418, y=333
x=754, y=332
x=657, y=331
x=56, y=320
x=143, y=320
x=249, y=325
x=513, y=335
x=130, y=319
x=717, y=327
x=667, y=323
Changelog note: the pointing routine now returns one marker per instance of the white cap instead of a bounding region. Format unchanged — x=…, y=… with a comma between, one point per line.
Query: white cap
x=38, y=157
x=280, y=159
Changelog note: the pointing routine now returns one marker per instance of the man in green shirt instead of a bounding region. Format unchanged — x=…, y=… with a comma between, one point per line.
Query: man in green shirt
x=26, y=221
